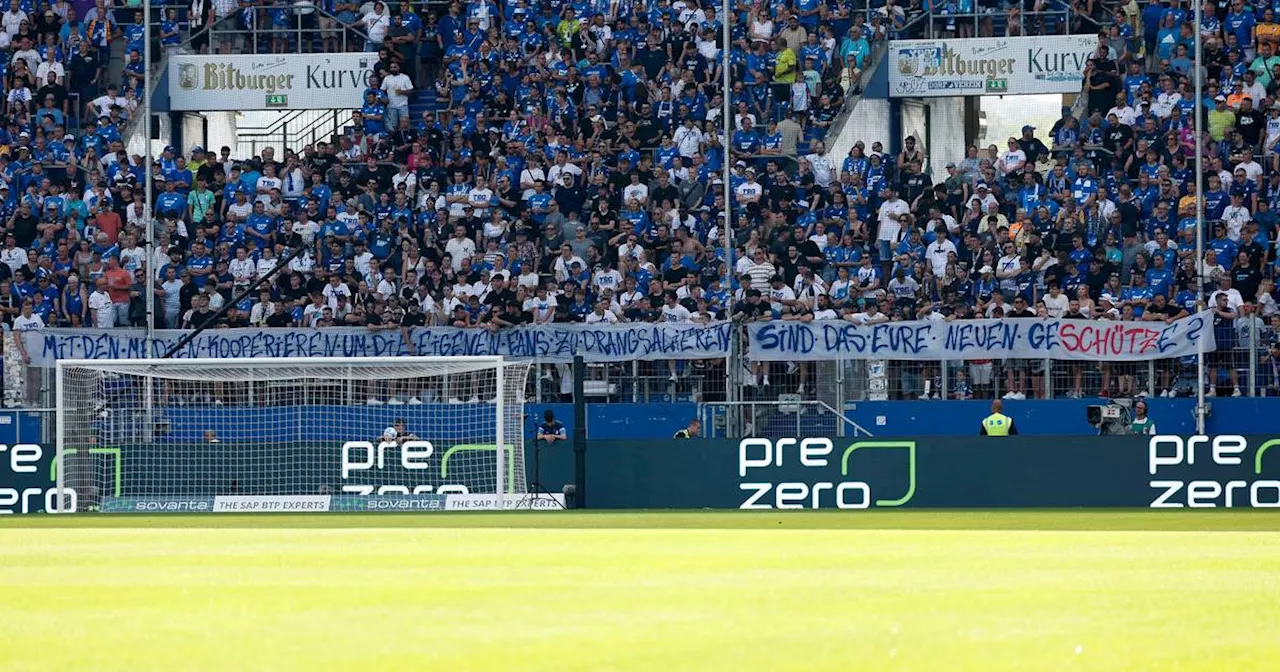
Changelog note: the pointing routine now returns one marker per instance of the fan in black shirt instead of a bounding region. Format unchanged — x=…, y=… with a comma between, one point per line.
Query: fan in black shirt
x=279, y=318
x=753, y=308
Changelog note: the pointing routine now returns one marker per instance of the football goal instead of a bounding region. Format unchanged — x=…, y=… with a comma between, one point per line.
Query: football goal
x=288, y=433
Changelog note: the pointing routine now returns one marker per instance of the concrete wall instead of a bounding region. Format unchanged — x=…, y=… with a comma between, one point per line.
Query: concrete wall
x=869, y=122
x=946, y=140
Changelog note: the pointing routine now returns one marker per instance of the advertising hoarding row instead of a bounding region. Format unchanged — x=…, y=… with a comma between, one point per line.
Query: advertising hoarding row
x=1224, y=471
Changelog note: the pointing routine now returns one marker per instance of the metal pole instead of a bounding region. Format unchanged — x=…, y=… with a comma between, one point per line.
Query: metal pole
x=726, y=111
x=1199, y=114
x=1253, y=361
x=580, y=430
x=150, y=286
x=500, y=437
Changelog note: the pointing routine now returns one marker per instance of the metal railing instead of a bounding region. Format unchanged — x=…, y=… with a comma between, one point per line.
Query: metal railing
x=295, y=129
x=282, y=29
x=948, y=24
x=783, y=417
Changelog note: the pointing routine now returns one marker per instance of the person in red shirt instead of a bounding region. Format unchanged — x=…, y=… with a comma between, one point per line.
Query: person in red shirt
x=108, y=222
x=120, y=287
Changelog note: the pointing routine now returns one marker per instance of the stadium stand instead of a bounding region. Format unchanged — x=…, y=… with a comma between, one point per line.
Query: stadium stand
x=525, y=161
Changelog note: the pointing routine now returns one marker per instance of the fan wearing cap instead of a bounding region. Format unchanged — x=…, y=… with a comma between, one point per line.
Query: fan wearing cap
x=749, y=191
x=982, y=197
x=1221, y=119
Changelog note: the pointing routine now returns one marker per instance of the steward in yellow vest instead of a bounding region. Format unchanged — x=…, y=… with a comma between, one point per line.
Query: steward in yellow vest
x=998, y=424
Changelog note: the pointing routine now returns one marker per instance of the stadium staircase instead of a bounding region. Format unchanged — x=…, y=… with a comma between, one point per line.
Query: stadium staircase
x=424, y=100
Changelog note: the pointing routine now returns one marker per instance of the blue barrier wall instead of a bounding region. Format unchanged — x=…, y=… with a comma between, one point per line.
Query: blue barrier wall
x=20, y=427
x=1053, y=417
x=362, y=423
x=660, y=420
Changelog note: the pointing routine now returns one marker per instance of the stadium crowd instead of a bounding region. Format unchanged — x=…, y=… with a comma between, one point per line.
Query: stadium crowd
x=571, y=170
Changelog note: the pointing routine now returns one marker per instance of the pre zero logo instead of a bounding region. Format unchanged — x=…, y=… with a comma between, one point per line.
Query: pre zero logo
x=1228, y=469
x=854, y=489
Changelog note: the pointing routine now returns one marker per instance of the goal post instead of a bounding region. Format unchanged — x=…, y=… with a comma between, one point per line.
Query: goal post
x=273, y=434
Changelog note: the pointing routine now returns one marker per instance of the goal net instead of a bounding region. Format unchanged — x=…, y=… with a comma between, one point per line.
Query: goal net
x=289, y=434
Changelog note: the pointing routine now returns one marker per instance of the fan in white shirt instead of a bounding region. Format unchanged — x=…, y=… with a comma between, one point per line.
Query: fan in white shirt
x=529, y=177
x=823, y=169
x=104, y=312
x=938, y=252
x=32, y=322
x=266, y=184
x=1055, y=302
x=635, y=191
x=47, y=67
x=408, y=179
x=480, y=198
x=14, y=257
x=750, y=191
x=266, y=263
x=601, y=314
x=688, y=138
x=398, y=87
x=1251, y=169
x=12, y=20
x=459, y=247
x=242, y=269
x=674, y=312
x=1124, y=114
x=306, y=230
x=1235, y=216
x=104, y=102
x=1013, y=159
x=361, y=260
x=303, y=263
x=334, y=289
x=556, y=172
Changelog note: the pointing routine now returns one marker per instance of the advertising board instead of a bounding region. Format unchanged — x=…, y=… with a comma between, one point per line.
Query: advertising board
x=989, y=66
x=1166, y=471
x=269, y=81
x=938, y=472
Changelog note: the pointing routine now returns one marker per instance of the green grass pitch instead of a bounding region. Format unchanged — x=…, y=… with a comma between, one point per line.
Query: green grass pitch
x=660, y=591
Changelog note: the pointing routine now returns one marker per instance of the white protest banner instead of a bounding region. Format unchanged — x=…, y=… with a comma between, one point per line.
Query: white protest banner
x=1028, y=338
x=550, y=343
x=269, y=81
x=989, y=66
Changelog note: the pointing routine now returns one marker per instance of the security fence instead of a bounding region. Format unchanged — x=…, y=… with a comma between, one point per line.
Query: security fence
x=724, y=376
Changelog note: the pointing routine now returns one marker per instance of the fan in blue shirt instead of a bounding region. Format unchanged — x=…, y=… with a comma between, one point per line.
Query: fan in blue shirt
x=1084, y=188
x=373, y=113
x=1138, y=293
x=1223, y=246
x=1159, y=278
x=259, y=226
x=170, y=203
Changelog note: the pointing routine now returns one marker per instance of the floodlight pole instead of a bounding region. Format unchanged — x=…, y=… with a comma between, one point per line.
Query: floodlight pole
x=150, y=298
x=149, y=285
x=1199, y=205
x=726, y=112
